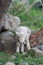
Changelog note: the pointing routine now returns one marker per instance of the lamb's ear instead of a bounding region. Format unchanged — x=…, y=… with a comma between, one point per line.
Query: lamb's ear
x=17, y=33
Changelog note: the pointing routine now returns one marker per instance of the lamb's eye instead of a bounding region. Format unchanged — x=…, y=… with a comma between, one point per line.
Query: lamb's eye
x=17, y=36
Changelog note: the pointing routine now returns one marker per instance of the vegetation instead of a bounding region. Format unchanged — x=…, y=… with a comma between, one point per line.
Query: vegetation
x=4, y=57
x=31, y=17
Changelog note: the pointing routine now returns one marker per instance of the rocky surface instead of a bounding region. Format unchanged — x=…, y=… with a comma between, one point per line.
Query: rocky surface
x=37, y=52
x=4, y=5
x=37, y=4
x=10, y=22
x=8, y=41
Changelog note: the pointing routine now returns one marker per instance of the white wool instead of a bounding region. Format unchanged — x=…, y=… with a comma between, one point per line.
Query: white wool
x=23, y=33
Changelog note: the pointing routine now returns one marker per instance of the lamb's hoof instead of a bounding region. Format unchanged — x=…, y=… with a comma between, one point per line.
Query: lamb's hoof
x=24, y=53
x=28, y=48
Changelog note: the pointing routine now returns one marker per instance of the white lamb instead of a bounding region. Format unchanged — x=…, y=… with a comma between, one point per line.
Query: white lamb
x=23, y=33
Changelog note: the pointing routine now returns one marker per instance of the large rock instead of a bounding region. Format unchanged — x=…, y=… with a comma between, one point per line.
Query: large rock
x=8, y=41
x=9, y=63
x=10, y=22
x=37, y=4
x=4, y=5
x=37, y=52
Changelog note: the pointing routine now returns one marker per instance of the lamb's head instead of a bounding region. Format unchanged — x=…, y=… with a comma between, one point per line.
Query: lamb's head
x=20, y=37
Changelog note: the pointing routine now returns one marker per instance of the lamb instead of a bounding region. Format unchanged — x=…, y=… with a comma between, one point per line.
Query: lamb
x=23, y=33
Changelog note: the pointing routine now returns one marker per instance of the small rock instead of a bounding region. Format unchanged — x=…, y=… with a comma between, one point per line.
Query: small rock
x=23, y=63
x=13, y=57
x=24, y=53
x=9, y=63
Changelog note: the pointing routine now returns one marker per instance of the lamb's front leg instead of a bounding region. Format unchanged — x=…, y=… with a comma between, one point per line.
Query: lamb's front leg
x=22, y=47
x=18, y=47
x=28, y=44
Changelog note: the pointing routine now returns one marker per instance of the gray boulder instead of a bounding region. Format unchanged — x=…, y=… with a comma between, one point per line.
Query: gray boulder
x=8, y=41
x=37, y=52
x=10, y=22
x=4, y=5
x=37, y=4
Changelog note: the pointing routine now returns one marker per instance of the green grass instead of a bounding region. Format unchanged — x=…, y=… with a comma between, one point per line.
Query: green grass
x=32, y=19
x=4, y=57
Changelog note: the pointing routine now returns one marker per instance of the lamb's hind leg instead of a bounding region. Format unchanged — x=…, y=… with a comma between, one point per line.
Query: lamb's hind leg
x=22, y=47
x=28, y=44
x=18, y=47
